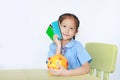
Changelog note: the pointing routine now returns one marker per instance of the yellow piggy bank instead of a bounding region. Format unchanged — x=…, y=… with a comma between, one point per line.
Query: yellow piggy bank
x=57, y=59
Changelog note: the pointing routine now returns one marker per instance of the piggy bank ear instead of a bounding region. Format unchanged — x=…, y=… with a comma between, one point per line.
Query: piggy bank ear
x=49, y=62
x=49, y=58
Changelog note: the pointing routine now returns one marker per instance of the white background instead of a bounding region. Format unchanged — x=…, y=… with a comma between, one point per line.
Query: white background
x=24, y=43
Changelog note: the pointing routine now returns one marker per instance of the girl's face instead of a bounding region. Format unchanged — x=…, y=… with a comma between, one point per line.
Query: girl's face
x=68, y=28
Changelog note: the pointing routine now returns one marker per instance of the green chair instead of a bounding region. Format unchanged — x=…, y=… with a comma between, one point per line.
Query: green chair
x=103, y=59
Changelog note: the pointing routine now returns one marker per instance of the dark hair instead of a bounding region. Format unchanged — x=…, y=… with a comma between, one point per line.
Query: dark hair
x=65, y=15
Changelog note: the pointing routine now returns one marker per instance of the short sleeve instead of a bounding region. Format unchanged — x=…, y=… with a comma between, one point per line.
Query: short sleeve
x=82, y=54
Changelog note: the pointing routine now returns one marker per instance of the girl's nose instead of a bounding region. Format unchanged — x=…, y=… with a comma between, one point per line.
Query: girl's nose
x=66, y=30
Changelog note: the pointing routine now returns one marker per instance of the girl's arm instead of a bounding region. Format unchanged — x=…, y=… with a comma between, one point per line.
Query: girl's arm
x=58, y=44
x=84, y=69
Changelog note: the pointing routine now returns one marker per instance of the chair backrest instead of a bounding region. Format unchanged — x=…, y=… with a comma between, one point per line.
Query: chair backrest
x=103, y=59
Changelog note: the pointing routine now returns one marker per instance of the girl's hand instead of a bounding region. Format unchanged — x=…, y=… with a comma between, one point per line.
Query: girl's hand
x=57, y=42
x=60, y=72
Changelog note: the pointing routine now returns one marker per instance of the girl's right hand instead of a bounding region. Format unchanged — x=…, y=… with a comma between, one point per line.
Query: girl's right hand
x=57, y=41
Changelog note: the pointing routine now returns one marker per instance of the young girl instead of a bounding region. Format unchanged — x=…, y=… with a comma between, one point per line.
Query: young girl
x=77, y=56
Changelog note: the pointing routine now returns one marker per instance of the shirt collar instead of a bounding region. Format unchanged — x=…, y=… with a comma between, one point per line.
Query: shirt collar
x=70, y=44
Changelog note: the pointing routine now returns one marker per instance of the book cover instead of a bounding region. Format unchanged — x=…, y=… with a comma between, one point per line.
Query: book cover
x=50, y=32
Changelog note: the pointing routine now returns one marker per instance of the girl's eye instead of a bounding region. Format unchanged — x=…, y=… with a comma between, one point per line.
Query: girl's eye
x=71, y=28
x=64, y=26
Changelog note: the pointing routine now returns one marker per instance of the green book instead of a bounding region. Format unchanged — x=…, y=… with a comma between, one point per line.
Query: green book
x=50, y=32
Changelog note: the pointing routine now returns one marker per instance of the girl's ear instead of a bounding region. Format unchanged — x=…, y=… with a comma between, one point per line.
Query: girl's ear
x=76, y=31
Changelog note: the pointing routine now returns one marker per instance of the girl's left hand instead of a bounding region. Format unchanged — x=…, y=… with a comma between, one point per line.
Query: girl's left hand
x=59, y=72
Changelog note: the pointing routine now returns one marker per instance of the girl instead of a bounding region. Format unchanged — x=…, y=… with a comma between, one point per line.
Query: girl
x=77, y=56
